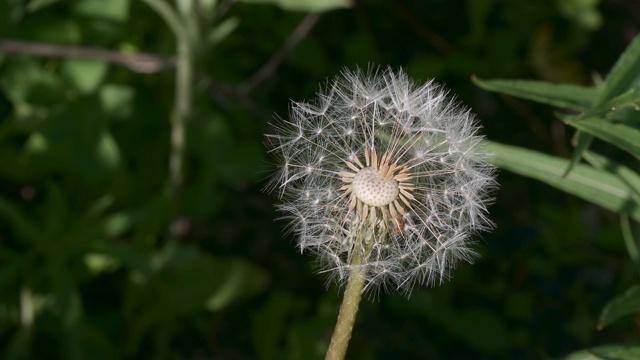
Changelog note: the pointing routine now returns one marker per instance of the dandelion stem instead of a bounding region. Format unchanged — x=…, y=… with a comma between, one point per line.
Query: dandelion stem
x=347, y=316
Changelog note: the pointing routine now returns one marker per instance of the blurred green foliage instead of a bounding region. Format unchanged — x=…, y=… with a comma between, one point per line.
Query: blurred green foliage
x=103, y=257
x=609, y=111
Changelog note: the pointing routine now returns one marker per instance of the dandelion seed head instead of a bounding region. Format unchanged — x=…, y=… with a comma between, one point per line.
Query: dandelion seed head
x=383, y=174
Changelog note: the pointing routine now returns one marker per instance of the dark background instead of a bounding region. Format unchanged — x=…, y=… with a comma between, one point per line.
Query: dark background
x=84, y=211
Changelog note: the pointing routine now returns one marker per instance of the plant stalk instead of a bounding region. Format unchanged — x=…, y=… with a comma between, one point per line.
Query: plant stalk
x=183, y=88
x=183, y=98
x=181, y=112
x=347, y=316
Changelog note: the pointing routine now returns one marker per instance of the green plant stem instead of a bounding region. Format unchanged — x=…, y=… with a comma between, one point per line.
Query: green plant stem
x=183, y=92
x=181, y=112
x=347, y=316
x=182, y=98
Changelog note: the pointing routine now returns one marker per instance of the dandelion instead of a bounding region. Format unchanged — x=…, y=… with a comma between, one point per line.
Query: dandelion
x=383, y=180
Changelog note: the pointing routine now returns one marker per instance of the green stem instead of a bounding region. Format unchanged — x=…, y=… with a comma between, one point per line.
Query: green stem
x=184, y=78
x=347, y=316
x=181, y=112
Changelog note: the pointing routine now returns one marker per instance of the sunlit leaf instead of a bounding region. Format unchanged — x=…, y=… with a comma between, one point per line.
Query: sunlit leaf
x=601, y=188
x=85, y=74
x=624, y=75
x=619, y=134
x=560, y=95
x=112, y=10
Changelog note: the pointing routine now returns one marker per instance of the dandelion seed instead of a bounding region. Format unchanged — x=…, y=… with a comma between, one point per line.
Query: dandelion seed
x=382, y=176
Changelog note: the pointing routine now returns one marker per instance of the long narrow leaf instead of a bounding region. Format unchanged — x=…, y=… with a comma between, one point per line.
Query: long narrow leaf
x=629, y=240
x=624, y=75
x=628, y=176
x=622, y=135
x=630, y=100
x=561, y=95
x=598, y=187
x=582, y=143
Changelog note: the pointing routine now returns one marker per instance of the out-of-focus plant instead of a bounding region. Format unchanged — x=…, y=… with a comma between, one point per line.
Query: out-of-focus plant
x=610, y=112
x=106, y=160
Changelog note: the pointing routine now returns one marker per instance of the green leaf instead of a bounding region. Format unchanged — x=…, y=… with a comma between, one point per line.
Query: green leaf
x=85, y=74
x=117, y=100
x=598, y=187
x=626, y=304
x=122, y=253
x=628, y=176
x=582, y=143
x=242, y=279
x=561, y=95
x=112, y=10
x=629, y=240
x=25, y=81
x=222, y=30
x=305, y=5
x=606, y=352
x=36, y=5
x=583, y=13
x=624, y=75
x=628, y=100
x=621, y=135
x=107, y=151
x=74, y=139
